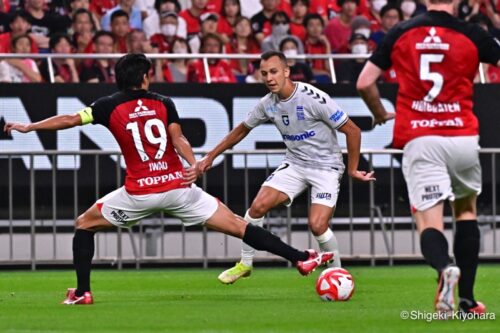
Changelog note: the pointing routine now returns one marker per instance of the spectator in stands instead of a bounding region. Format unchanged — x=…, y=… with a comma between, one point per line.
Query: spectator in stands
x=192, y=17
x=169, y=21
x=242, y=42
x=338, y=30
x=77, y=5
x=220, y=70
x=209, y=22
x=390, y=15
x=64, y=69
x=101, y=7
x=409, y=8
x=349, y=70
x=373, y=13
x=299, y=71
x=230, y=12
x=20, y=70
x=280, y=29
x=83, y=30
x=361, y=25
x=99, y=70
x=316, y=43
x=259, y=20
x=128, y=7
x=43, y=23
x=138, y=43
x=299, y=12
x=19, y=26
x=254, y=76
x=151, y=24
x=177, y=69
x=120, y=27
x=4, y=17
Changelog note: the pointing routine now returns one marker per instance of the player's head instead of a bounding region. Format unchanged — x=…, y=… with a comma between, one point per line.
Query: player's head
x=132, y=70
x=274, y=69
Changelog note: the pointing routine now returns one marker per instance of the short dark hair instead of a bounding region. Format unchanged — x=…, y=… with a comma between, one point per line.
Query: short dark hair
x=130, y=70
x=340, y=3
x=279, y=14
x=389, y=7
x=14, y=40
x=216, y=37
x=56, y=38
x=313, y=16
x=269, y=54
x=305, y=2
x=101, y=33
x=158, y=4
x=19, y=14
x=288, y=39
x=118, y=13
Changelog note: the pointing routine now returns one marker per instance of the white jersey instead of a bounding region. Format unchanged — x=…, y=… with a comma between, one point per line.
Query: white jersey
x=307, y=121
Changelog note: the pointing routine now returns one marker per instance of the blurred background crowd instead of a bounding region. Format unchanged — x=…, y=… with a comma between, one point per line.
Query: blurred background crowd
x=294, y=27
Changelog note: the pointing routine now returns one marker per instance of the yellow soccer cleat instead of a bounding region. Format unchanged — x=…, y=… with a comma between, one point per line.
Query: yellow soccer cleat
x=239, y=270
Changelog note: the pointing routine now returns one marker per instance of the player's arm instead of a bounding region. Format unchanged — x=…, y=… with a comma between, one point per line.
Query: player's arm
x=53, y=123
x=368, y=90
x=184, y=149
x=236, y=135
x=353, y=139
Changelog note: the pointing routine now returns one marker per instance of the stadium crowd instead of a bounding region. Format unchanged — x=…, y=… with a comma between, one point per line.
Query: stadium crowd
x=207, y=26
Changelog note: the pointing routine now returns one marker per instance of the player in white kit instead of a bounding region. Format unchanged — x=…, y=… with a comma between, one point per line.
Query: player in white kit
x=307, y=119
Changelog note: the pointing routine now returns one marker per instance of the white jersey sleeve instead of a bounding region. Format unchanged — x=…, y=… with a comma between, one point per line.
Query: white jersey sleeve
x=329, y=112
x=257, y=116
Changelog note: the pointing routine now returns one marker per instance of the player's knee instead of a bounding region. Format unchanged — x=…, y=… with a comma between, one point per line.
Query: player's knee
x=318, y=226
x=258, y=209
x=80, y=222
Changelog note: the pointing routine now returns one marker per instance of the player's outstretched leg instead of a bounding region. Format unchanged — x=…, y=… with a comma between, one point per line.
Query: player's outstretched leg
x=244, y=267
x=224, y=220
x=83, y=252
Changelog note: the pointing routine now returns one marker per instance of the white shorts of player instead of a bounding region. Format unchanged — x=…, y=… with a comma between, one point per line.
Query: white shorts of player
x=292, y=180
x=437, y=168
x=191, y=205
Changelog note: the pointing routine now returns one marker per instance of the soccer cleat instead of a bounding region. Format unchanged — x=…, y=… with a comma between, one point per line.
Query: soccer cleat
x=315, y=259
x=231, y=275
x=445, y=296
x=72, y=299
x=479, y=308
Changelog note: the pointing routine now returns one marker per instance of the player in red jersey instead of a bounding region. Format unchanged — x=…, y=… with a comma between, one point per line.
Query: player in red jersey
x=435, y=57
x=146, y=127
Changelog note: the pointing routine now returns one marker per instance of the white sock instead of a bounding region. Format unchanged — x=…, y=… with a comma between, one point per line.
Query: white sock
x=248, y=252
x=328, y=242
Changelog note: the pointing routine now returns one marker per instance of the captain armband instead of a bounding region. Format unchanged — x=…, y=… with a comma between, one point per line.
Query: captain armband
x=86, y=115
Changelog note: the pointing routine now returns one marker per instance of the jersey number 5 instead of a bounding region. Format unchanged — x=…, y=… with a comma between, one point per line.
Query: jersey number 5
x=160, y=140
x=426, y=75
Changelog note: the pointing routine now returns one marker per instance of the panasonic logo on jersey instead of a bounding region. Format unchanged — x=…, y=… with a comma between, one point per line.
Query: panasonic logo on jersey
x=299, y=137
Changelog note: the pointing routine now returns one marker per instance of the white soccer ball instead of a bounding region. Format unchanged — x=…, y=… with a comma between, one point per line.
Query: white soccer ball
x=335, y=284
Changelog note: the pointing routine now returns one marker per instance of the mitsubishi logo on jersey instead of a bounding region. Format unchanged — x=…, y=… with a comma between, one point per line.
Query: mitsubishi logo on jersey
x=140, y=107
x=432, y=42
x=141, y=111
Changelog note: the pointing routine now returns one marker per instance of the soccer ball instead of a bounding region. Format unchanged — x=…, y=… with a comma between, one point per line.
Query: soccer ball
x=335, y=284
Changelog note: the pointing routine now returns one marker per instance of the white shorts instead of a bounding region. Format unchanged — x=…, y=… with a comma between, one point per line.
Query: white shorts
x=293, y=179
x=192, y=205
x=437, y=168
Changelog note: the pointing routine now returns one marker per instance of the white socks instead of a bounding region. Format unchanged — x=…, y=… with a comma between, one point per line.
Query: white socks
x=248, y=252
x=328, y=242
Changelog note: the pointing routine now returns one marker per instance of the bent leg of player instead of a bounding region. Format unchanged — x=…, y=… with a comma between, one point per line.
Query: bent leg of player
x=319, y=218
x=224, y=220
x=266, y=199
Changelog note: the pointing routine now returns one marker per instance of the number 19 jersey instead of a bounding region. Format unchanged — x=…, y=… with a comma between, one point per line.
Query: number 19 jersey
x=435, y=57
x=138, y=120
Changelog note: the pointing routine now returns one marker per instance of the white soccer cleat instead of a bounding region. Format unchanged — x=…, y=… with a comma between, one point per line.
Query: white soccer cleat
x=445, y=296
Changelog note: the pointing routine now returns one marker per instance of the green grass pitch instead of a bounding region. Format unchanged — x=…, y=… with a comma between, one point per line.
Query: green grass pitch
x=272, y=300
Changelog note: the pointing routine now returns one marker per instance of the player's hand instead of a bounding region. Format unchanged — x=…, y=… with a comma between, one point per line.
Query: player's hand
x=190, y=175
x=23, y=128
x=204, y=164
x=379, y=120
x=362, y=176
